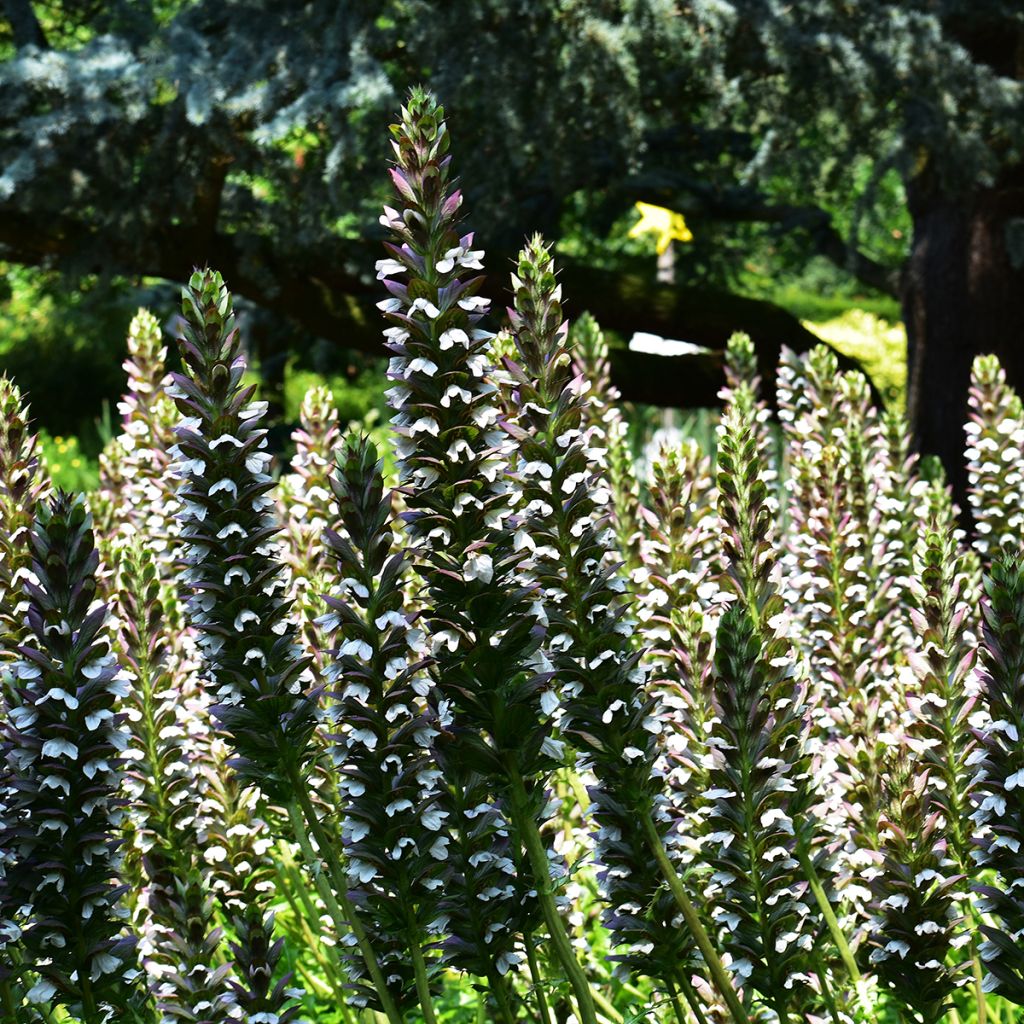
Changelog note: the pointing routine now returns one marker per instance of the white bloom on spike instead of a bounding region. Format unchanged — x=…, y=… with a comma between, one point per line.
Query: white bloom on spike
x=432, y=819
x=388, y=267
x=479, y=567
x=243, y=617
x=426, y=305
x=454, y=336
x=60, y=748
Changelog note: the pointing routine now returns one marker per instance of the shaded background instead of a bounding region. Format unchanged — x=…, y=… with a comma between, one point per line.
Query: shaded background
x=826, y=156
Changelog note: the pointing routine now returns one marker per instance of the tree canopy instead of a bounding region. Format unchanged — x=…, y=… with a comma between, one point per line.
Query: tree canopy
x=142, y=138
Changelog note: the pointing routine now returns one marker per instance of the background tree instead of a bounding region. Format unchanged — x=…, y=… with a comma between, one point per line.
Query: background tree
x=140, y=139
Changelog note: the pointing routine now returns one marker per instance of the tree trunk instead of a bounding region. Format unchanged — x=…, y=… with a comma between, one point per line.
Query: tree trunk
x=963, y=296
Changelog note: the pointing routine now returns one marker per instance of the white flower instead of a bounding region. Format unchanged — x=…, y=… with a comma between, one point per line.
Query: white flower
x=479, y=567
x=385, y=268
x=60, y=748
x=432, y=819
x=454, y=336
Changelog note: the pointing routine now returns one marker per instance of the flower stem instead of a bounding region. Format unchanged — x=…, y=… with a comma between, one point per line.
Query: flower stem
x=422, y=981
x=845, y=953
x=11, y=1009
x=689, y=994
x=530, y=835
x=538, y=980
x=302, y=815
x=714, y=962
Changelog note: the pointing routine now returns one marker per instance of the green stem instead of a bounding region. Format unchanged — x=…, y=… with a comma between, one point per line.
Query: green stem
x=979, y=978
x=90, y=1014
x=677, y=1006
x=538, y=980
x=11, y=1009
x=530, y=835
x=845, y=953
x=422, y=982
x=302, y=814
x=690, y=995
x=716, y=969
x=607, y=1010
x=826, y=990
x=481, y=1005
x=496, y=986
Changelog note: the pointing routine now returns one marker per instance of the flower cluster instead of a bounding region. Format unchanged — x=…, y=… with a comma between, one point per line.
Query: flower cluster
x=452, y=459
x=764, y=842
x=62, y=746
x=995, y=433
x=136, y=485
x=1000, y=778
x=609, y=432
x=238, y=605
x=394, y=827
x=22, y=487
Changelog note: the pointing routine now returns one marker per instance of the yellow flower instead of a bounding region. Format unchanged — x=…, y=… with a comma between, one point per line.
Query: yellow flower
x=668, y=225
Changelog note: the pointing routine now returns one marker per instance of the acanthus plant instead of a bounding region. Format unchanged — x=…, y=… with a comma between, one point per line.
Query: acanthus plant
x=180, y=940
x=494, y=747
x=999, y=782
x=995, y=433
x=926, y=849
x=23, y=485
x=610, y=430
x=606, y=712
x=393, y=829
x=137, y=489
x=767, y=845
x=62, y=744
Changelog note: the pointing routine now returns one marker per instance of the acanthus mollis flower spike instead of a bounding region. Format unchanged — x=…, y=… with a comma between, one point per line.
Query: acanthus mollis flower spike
x=941, y=705
x=248, y=639
x=772, y=693
x=999, y=783
x=741, y=372
x=915, y=920
x=394, y=830
x=23, y=485
x=136, y=487
x=675, y=597
x=310, y=505
x=603, y=416
x=607, y=713
x=995, y=434
x=64, y=739
x=743, y=504
x=179, y=939
x=452, y=461
x=761, y=826
x=239, y=872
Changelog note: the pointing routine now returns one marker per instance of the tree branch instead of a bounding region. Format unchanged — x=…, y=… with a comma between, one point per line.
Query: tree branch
x=311, y=288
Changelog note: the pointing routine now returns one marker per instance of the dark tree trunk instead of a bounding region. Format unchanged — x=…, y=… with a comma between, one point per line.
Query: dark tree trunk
x=963, y=296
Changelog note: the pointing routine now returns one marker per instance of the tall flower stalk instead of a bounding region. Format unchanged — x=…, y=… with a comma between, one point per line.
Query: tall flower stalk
x=23, y=485
x=62, y=744
x=180, y=941
x=136, y=486
x=493, y=747
x=396, y=842
x=995, y=433
x=606, y=712
x=999, y=782
x=264, y=701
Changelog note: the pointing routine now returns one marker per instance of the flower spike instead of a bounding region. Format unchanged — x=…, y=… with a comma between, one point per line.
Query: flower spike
x=238, y=605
